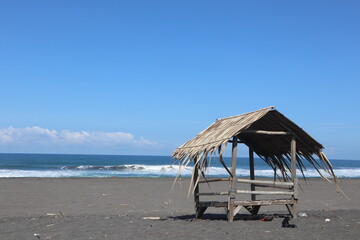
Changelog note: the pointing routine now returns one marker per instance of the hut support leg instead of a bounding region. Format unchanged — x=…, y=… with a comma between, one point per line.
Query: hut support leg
x=294, y=178
x=275, y=168
x=232, y=183
x=252, y=209
x=252, y=172
x=292, y=209
x=199, y=211
x=237, y=209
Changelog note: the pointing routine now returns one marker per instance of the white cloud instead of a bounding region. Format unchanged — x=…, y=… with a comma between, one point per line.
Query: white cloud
x=70, y=137
x=143, y=141
x=28, y=134
x=42, y=136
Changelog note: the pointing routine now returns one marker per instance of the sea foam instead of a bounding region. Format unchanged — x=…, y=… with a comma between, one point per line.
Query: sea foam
x=140, y=170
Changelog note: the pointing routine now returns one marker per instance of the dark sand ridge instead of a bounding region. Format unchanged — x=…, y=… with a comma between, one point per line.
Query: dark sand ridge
x=113, y=208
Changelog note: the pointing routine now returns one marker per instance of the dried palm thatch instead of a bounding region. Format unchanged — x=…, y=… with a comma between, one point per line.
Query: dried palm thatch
x=274, y=150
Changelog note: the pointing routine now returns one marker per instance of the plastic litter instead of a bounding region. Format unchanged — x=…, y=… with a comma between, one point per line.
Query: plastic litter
x=267, y=219
x=302, y=214
x=151, y=218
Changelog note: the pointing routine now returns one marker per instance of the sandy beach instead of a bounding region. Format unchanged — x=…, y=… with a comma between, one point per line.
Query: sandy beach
x=117, y=208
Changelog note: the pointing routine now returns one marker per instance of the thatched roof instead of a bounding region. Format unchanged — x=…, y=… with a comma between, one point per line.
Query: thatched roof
x=274, y=149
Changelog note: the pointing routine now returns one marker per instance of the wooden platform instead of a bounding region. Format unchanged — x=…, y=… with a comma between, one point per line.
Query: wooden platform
x=252, y=206
x=286, y=191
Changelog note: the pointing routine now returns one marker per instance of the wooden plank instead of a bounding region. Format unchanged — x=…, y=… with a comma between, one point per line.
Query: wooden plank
x=265, y=202
x=272, y=187
x=215, y=180
x=264, y=192
x=212, y=193
x=253, y=209
x=269, y=183
x=246, y=203
x=252, y=172
x=267, y=132
x=247, y=192
x=212, y=204
x=239, y=141
x=237, y=209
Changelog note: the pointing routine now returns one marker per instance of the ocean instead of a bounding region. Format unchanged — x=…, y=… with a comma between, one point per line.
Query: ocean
x=74, y=165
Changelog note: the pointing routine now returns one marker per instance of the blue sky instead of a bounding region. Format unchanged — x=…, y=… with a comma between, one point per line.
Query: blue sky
x=142, y=77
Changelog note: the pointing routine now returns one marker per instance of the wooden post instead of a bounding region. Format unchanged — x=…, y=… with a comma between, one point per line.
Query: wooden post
x=199, y=211
x=196, y=186
x=275, y=169
x=232, y=182
x=252, y=209
x=293, y=176
x=252, y=172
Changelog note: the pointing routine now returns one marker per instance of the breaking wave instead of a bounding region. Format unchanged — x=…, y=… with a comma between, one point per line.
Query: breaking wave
x=138, y=170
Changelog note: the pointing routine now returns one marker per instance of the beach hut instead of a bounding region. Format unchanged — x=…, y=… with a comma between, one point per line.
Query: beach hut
x=282, y=144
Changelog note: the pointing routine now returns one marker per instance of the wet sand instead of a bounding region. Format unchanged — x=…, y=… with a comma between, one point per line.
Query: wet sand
x=115, y=208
